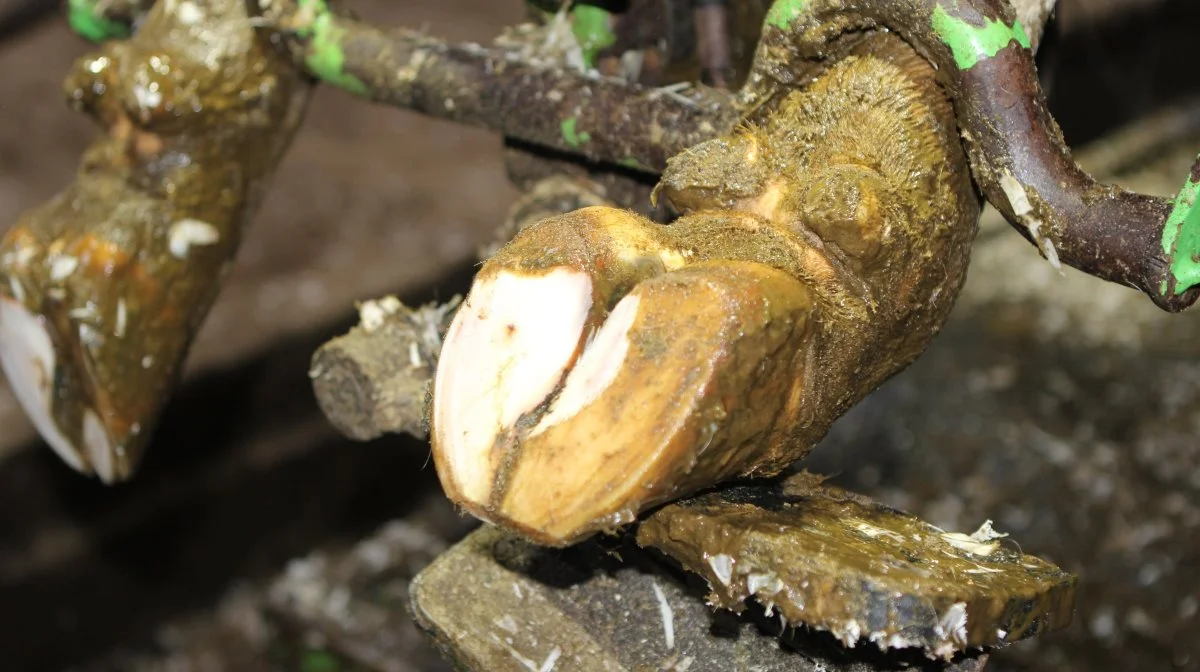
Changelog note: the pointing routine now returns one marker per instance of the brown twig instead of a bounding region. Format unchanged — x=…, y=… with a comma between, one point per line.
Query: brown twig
x=375, y=379
x=517, y=94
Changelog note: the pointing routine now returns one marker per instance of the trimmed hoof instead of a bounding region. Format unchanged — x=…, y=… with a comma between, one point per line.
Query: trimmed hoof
x=558, y=420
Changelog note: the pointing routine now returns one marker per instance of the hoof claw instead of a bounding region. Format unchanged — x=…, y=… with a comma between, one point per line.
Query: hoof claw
x=559, y=418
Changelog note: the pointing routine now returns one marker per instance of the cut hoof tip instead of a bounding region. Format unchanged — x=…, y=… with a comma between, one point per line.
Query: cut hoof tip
x=557, y=421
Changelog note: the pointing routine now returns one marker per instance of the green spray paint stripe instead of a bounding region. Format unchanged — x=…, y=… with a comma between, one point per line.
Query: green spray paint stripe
x=971, y=44
x=1181, y=238
x=784, y=12
x=570, y=136
x=591, y=27
x=86, y=19
x=326, y=59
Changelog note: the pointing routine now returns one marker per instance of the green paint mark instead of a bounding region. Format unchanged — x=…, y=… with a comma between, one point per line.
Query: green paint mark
x=570, y=136
x=971, y=44
x=88, y=20
x=593, y=32
x=784, y=12
x=1181, y=238
x=316, y=660
x=326, y=59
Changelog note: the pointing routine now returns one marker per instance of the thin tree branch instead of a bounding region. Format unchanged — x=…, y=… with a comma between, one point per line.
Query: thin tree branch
x=507, y=90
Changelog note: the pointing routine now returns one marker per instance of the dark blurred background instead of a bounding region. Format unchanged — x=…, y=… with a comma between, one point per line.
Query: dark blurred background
x=1064, y=409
